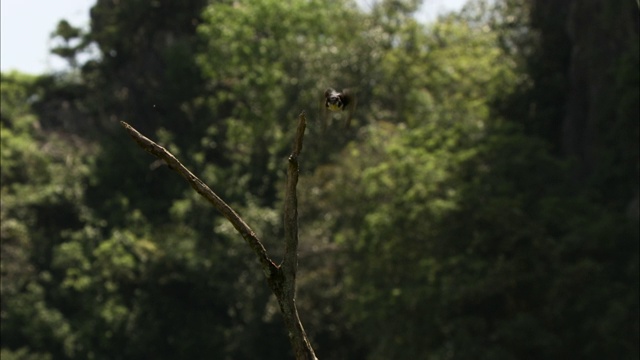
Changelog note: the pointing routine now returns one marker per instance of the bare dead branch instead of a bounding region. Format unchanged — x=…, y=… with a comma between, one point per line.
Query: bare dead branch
x=301, y=346
x=281, y=279
x=247, y=233
x=290, y=261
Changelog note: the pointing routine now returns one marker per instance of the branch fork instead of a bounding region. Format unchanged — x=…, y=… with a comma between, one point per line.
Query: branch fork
x=280, y=278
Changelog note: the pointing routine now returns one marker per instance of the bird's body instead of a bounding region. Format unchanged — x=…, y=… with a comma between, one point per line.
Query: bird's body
x=335, y=101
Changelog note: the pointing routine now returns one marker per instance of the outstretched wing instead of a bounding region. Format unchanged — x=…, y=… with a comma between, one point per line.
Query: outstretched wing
x=349, y=99
x=323, y=112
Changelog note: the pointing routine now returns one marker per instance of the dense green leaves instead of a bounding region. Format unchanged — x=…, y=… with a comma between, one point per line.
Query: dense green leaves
x=483, y=205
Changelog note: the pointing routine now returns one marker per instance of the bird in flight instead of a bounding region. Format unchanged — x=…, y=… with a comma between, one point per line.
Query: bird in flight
x=335, y=101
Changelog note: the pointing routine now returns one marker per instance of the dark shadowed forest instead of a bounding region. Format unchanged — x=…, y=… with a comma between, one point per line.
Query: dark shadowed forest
x=482, y=204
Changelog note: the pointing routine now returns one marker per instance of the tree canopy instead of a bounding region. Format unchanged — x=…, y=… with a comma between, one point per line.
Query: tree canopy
x=482, y=205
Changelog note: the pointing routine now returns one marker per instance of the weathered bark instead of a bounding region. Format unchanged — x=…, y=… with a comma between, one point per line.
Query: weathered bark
x=287, y=300
x=280, y=278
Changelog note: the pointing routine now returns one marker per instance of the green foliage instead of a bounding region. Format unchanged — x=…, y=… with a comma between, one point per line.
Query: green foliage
x=265, y=61
x=22, y=354
x=447, y=223
x=41, y=200
x=476, y=227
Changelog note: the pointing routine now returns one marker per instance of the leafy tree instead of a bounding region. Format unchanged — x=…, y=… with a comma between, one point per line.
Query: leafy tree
x=482, y=205
x=475, y=224
x=41, y=204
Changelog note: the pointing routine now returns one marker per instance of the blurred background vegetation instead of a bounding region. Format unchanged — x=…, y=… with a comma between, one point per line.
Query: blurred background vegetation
x=483, y=204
